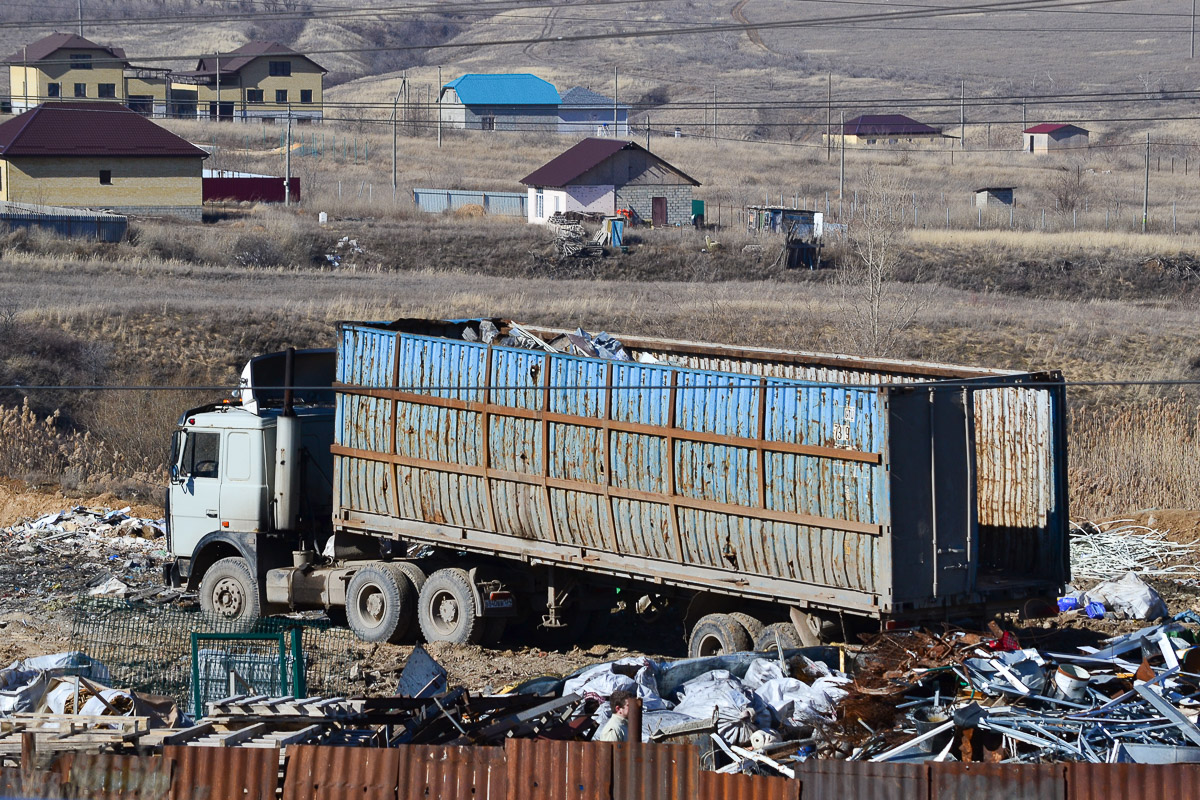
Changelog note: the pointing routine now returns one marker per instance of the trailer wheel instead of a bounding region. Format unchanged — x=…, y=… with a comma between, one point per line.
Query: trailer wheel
x=229, y=591
x=446, y=608
x=786, y=634
x=752, y=625
x=718, y=634
x=379, y=603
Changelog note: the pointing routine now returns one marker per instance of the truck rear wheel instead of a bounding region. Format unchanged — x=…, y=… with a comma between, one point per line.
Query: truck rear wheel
x=784, y=632
x=718, y=634
x=446, y=609
x=230, y=592
x=379, y=604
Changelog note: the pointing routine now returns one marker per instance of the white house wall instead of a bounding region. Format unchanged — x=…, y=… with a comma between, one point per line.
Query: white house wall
x=553, y=201
x=591, y=199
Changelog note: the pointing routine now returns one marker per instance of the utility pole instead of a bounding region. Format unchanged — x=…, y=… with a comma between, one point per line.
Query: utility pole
x=616, y=130
x=647, y=133
x=714, y=114
x=395, y=120
x=842, y=169
x=81, y=17
x=287, y=163
x=962, y=118
x=829, y=120
x=1193, y=48
x=1024, y=124
x=219, y=89
x=439, y=106
x=1146, y=187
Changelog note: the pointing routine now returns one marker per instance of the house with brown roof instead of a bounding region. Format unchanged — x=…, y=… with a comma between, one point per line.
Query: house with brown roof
x=604, y=176
x=885, y=129
x=101, y=156
x=265, y=81
x=1050, y=136
x=63, y=66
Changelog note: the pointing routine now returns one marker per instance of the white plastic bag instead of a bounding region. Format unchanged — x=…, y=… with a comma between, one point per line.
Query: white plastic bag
x=1130, y=596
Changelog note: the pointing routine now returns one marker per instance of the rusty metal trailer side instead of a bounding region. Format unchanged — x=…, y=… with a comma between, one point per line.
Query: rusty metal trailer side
x=755, y=485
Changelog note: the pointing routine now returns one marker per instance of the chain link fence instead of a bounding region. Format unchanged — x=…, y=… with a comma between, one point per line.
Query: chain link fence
x=151, y=648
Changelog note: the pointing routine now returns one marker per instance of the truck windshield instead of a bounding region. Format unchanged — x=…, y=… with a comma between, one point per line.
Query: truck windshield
x=201, y=455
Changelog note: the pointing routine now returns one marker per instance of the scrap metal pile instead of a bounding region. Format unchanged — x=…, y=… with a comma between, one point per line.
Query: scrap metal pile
x=55, y=556
x=962, y=696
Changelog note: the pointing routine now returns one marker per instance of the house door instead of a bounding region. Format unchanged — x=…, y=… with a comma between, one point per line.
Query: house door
x=658, y=211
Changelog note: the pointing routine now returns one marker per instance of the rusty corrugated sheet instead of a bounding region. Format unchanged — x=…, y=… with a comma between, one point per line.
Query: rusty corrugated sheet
x=549, y=770
x=862, y=780
x=341, y=773
x=715, y=786
x=453, y=773
x=655, y=772
x=103, y=776
x=248, y=773
x=1133, y=781
x=997, y=781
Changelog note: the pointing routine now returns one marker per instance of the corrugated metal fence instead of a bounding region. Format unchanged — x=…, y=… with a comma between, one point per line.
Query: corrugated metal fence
x=508, y=204
x=550, y=770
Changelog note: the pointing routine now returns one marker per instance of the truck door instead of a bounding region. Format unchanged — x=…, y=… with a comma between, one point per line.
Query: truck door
x=195, y=489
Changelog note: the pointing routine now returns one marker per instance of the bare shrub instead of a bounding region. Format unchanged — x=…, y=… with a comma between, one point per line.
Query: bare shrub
x=256, y=250
x=1069, y=188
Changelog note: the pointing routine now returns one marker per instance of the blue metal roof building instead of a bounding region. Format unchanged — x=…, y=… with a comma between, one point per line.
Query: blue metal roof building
x=512, y=102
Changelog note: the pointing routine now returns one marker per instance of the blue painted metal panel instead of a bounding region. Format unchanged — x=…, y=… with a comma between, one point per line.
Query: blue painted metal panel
x=596, y=454
x=507, y=204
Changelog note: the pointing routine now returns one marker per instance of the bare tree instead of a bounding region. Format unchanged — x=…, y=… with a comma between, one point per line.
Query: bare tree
x=879, y=308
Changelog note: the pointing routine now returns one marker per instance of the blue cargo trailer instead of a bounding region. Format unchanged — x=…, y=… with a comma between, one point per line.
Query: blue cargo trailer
x=758, y=487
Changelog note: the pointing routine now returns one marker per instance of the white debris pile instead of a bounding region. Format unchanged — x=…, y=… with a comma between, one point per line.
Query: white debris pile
x=102, y=550
x=1102, y=553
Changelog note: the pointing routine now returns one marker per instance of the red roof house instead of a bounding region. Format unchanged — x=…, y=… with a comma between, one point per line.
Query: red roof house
x=1054, y=136
x=99, y=155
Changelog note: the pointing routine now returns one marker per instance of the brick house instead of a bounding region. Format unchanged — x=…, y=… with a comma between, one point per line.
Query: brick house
x=886, y=129
x=604, y=175
x=263, y=81
x=63, y=66
x=101, y=156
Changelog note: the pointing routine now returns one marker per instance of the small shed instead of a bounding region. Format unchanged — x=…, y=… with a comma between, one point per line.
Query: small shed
x=781, y=219
x=1054, y=136
x=994, y=196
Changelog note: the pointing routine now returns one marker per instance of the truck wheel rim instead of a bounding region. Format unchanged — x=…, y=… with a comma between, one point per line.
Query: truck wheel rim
x=371, y=606
x=710, y=646
x=445, y=612
x=228, y=597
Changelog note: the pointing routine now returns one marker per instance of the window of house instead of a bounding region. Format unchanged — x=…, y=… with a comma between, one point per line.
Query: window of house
x=106, y=177
x=81, y=90
x=81, y=61
x=254, y=95
x=540, y=204
x=281, y=95
x=306, y=95
x=106, y=90
x=487, y=123
x=53, y=89
x=279, y=69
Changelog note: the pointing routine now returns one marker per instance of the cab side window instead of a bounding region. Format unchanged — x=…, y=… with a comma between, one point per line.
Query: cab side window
x=201, y=455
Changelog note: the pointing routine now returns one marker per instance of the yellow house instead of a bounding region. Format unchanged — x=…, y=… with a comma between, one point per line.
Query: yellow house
x=63, y=66
x=266, y=81
x=101, y=156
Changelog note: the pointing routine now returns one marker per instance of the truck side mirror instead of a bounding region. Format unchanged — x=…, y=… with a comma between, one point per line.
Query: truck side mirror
x=175, y=474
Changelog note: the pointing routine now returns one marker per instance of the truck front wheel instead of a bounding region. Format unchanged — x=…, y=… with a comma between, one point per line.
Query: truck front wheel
x=379, y=602
x=446, y=609
x=230, y=592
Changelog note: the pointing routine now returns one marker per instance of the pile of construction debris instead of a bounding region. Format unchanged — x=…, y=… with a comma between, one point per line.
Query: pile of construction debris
x=570, y=238
x=101, y=550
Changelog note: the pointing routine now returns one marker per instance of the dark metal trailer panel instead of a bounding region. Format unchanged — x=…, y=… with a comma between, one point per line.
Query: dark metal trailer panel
x=820, y=481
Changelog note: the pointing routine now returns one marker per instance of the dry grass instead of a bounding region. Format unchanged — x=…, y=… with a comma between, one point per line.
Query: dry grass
x=1135, y=457
x=1038, y=244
